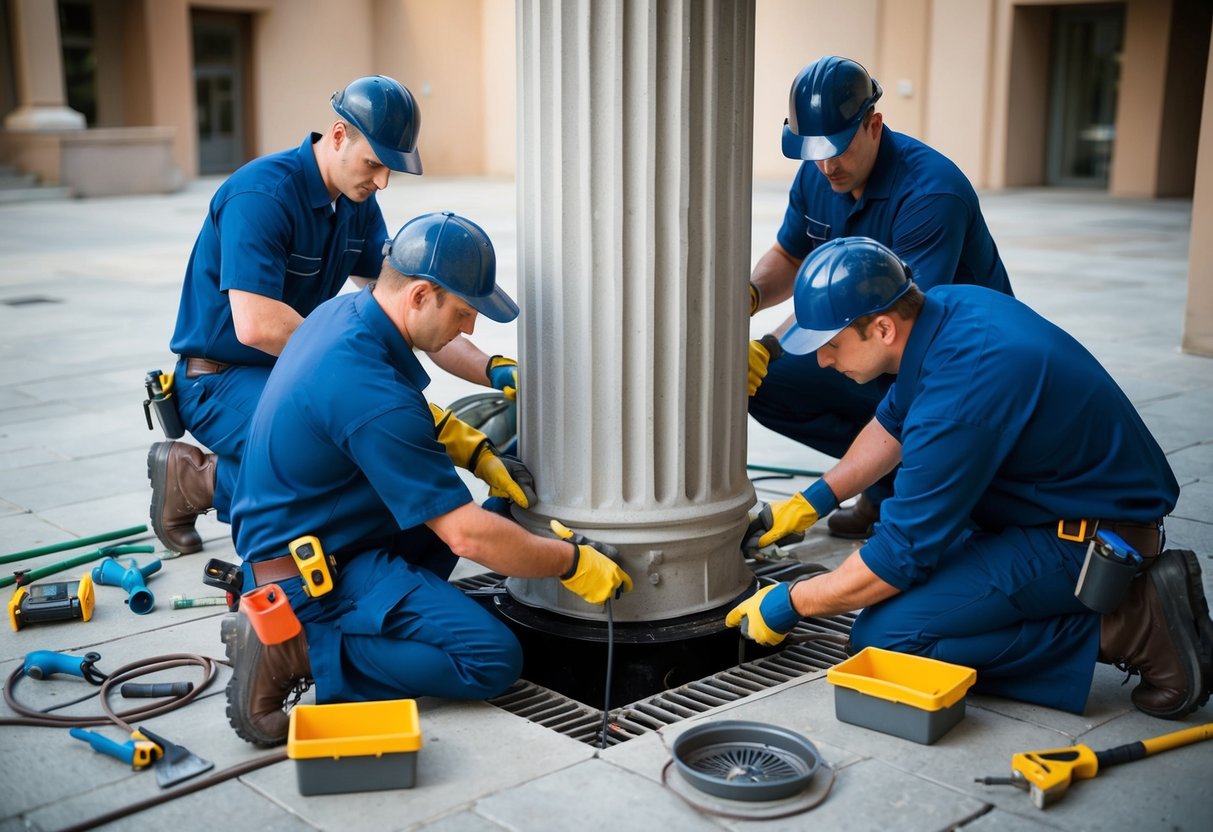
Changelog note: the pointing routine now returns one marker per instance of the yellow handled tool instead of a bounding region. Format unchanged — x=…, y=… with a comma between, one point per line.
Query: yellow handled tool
x=1046, y=775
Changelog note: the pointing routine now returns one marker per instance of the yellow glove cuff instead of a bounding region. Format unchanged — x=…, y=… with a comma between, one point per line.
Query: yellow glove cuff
x=464, y=444
x=791, y=516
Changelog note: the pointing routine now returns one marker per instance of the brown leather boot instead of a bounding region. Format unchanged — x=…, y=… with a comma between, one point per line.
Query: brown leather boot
x=856, y=522
x=1156, y=632
x=263, y=678
x=183, y=486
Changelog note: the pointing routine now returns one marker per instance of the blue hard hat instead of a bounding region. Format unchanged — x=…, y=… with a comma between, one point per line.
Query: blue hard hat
x=826, y=106
x=842, y=280
x=384, y=111
x=455, y=253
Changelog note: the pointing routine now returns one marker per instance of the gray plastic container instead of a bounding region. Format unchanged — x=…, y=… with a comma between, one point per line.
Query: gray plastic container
x=894, y=718
x=330, y=775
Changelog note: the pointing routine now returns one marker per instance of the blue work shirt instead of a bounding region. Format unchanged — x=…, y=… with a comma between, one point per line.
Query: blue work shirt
x=273, y=230
x=916, y=202
x=342, y=444
x=1005, y=420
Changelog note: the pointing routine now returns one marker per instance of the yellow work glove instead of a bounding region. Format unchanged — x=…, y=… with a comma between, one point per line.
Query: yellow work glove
x=472, y=450
x=502, y=373
x=767, y=616
x=790, y=517
x=755, y=298
x=762, y=353
x=594, y=574
x=507, y=477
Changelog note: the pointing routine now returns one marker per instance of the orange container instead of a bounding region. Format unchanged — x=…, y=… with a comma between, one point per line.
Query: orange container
x=270, y=614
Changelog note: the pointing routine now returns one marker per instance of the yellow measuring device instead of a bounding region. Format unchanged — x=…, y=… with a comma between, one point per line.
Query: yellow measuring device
x=1046, y=775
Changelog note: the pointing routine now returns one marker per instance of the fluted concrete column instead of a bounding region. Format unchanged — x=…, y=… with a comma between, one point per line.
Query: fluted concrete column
x=38, y=65
x=634, y=180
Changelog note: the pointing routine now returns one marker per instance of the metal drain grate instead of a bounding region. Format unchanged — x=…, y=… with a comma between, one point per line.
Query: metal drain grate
x=802, y=657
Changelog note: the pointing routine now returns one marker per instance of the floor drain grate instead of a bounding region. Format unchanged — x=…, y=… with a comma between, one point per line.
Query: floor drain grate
x=816, y=646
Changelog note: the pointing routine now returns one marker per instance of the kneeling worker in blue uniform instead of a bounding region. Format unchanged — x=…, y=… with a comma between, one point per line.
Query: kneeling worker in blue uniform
x=1015, y=446
x=344, y=447
x=282, y=235
x=857, y=178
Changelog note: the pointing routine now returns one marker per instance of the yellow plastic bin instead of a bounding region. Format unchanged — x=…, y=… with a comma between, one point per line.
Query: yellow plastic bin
x=912, y=697
x=355, y=746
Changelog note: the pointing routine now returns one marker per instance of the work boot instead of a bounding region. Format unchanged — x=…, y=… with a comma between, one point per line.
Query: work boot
x=263, y=678
x=183, y=487
x=856, y=522
x=1162, y=631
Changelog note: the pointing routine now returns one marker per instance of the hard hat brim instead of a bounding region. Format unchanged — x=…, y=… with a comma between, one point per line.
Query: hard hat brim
x=496, y=306
x=398, y=160
x=816, y=148
x=799, y=341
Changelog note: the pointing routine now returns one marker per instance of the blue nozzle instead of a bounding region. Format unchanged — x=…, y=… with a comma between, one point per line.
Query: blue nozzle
x=132, y=578
x=43, y=663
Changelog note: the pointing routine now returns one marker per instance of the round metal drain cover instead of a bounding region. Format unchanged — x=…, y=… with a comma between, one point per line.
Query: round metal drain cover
x=745, y=760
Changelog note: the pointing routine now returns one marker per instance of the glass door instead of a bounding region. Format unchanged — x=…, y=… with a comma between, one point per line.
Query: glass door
x=1085, y=81
x=220, y=58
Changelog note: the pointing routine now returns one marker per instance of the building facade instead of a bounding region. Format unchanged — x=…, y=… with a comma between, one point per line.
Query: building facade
x=122, y=96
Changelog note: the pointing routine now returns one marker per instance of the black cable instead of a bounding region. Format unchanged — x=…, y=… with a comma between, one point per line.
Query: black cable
x=606, y=696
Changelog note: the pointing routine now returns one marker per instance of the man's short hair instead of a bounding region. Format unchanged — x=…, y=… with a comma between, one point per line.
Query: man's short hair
x=905, y=307
x=395, y=280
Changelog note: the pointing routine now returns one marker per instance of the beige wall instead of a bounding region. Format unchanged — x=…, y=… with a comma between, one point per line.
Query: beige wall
x=793, y=33
x=1198, y=314
x=500, y=90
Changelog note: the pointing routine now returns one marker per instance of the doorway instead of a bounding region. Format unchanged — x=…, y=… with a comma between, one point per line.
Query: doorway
x=1087, y=51
x=221, y=44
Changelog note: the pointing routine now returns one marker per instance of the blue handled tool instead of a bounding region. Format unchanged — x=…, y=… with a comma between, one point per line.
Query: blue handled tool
x=138, y=752
x=132, y=578
x=41, y=664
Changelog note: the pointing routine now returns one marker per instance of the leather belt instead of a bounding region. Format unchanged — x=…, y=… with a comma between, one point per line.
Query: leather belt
x=196, y=367
x=274, y=570
x=1146, y=538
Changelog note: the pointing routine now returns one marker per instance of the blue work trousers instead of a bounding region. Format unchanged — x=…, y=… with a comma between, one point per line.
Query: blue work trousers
x=394, y=628
x=818, y=407
x=1004, y=605
x=216, y=409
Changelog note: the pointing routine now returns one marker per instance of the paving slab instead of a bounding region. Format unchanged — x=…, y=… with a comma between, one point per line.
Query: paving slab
x=472, y=750
x=73, y=448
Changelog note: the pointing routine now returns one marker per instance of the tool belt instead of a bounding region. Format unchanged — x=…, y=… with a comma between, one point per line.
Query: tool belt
x=1146, y=538
x=197, y=367
x=274, y=570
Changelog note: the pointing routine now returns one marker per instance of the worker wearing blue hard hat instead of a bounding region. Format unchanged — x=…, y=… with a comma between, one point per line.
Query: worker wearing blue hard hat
x=858, y=177
x=282, y=235
x=1015, y=449
x=343, y=447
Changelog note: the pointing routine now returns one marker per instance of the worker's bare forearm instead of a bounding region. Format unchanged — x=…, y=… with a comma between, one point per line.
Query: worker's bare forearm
x=261, y=322
x=500, y=544
x=873, y=454
x=464, y=359
x=852, y=586
x=774, y=275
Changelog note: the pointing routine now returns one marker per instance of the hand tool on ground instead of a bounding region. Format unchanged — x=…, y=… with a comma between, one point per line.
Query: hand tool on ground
x=71, y=544
x=180, y=602
x=178, y=762
x=42, y=664
x=137, y=752
x=154, y=690
x=1046, y=775
x=24, y=577
x=132, y=578
x=53, y=601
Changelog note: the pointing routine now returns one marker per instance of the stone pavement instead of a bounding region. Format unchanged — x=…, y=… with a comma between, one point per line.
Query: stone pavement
x=88, y=293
